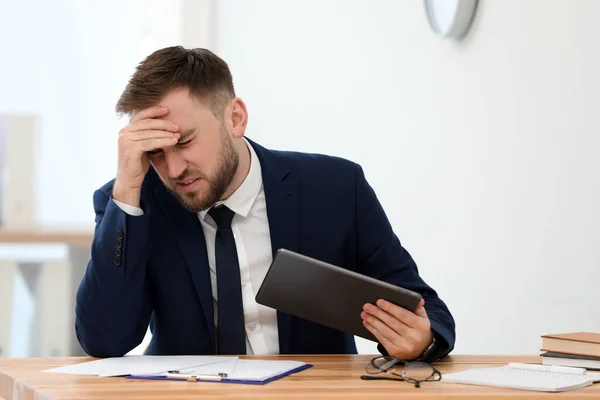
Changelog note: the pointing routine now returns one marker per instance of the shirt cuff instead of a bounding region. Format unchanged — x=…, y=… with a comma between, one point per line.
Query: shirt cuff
x=131, y=210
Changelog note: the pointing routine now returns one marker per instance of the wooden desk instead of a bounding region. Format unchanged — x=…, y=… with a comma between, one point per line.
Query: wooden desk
x=331, y=377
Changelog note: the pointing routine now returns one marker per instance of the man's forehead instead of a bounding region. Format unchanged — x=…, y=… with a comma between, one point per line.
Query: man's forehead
x=183, y=101
x=184, y=110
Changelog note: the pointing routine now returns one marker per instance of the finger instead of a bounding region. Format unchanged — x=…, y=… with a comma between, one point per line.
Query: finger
x=389, y=346
x=383, y=328
x=140, y=136
x=147, y=124
x=153, y=144
x=420, y=311
x=151, y=112
x=397, y=325
x=407, y=317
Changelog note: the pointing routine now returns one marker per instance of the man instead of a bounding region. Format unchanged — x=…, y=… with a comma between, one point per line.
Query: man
x=186, y=232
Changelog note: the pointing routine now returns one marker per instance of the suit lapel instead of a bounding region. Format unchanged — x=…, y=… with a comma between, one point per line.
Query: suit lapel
x=283, y=211
x=190, y=238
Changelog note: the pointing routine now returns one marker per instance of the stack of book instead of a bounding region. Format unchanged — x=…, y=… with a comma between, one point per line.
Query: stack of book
x=578, y=349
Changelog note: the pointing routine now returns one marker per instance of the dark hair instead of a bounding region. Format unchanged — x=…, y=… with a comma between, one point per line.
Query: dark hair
x=205, y=75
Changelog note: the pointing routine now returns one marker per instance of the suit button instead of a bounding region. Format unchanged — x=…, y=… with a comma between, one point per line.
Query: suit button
x=117, y=260
x=119, y=243
x=118, y=252
x=119, y=234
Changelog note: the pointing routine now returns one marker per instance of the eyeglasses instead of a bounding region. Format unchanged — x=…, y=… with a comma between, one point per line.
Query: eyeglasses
x=412, y=371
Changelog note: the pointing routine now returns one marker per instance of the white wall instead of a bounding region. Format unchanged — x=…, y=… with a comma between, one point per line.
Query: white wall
x=68, y=61
x=482, y=152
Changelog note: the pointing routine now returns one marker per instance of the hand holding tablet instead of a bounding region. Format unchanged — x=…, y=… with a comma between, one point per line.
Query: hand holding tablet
x=327, y=294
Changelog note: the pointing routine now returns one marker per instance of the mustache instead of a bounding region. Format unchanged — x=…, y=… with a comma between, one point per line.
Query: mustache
x=187, y=174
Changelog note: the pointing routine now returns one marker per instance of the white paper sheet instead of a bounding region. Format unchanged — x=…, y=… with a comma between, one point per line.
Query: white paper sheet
x=260, y=370
x=139, y=365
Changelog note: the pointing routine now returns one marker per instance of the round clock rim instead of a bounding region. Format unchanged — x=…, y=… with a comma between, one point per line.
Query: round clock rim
x=464, y=14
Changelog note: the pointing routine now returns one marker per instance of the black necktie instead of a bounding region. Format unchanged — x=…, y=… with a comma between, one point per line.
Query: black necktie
x=231, y=335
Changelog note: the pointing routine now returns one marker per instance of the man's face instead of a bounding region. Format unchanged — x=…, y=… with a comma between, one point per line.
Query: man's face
x=200, y=167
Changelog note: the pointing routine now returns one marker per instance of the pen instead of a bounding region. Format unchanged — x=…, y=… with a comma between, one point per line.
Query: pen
x=191, y=377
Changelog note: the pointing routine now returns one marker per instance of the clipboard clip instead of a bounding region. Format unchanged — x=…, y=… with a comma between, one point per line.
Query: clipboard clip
x=192, y=377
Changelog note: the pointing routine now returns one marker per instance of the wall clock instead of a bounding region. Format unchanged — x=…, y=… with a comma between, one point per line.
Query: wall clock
x=450, y=18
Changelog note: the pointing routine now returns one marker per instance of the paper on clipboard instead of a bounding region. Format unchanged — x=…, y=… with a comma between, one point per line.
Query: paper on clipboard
x=256, y=372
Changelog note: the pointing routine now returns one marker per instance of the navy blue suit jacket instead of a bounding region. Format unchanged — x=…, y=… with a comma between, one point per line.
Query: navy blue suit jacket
x=154, y=268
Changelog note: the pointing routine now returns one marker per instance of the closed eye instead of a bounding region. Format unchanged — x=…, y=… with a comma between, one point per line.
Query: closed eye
x=179, y=144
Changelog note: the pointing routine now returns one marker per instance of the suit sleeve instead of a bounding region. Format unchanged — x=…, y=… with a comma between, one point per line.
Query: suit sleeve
x=113, y=303
x=381, y=255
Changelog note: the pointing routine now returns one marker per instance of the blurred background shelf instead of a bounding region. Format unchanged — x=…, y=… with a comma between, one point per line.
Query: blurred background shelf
x=45, y=235
x=40, y=271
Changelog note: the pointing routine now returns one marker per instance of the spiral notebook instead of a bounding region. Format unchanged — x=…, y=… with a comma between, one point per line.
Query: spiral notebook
x=544, y=378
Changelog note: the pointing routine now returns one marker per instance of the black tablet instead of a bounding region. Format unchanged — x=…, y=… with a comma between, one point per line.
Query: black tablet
x=326, y=294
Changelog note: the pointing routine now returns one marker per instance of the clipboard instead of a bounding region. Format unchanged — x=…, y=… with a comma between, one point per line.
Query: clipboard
x=220, y=377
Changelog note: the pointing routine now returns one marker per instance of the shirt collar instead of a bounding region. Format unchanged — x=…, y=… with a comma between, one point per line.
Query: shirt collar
x=243, y=198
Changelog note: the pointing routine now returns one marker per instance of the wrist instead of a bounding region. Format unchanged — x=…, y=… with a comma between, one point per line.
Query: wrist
x=126, y=194
x=429, y=349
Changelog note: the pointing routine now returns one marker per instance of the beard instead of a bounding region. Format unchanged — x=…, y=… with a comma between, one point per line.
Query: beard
x=204, y=198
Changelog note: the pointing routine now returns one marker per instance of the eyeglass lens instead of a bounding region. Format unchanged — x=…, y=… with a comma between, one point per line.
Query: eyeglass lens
x=385, y=363
x=417, y=371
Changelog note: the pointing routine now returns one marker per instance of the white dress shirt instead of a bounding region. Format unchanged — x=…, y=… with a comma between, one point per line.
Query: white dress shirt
x=250, y=227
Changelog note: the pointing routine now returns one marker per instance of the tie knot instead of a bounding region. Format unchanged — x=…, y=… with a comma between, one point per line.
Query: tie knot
x=222, y=216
